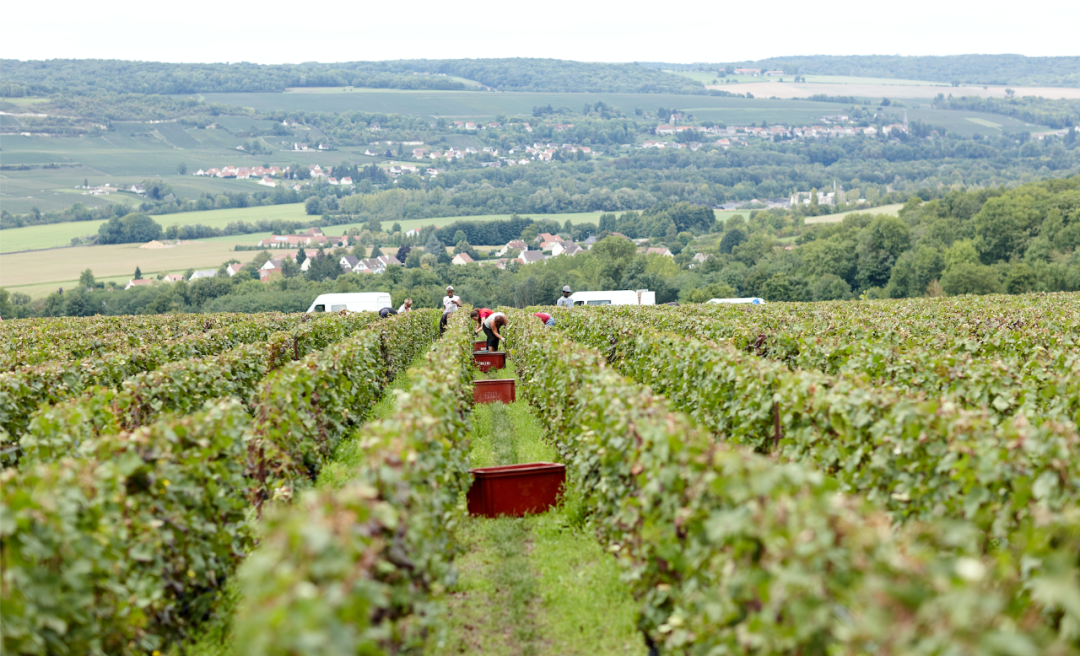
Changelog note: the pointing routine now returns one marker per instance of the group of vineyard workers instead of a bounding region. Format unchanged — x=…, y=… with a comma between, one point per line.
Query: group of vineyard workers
x=489, y=321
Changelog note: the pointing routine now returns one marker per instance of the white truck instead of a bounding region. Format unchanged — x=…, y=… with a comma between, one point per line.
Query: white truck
x=752, y=300
x=620, y=297
x=361, y=302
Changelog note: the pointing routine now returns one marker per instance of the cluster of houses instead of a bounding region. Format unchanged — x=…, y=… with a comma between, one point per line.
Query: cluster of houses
x=756, y=72
x=302, y=147
x=311, y=238
x=730, y=133
x=265, y=176
x=547, y=246
x=470, y=125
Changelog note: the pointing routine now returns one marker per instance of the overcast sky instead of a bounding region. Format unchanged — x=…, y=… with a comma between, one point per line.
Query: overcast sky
x=279, y=32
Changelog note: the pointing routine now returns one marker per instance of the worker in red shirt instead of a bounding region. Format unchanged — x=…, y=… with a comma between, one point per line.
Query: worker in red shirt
x=546, y=318
x=478, y=316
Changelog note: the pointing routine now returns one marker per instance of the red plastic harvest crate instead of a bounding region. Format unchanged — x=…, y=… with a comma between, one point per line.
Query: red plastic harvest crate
x=487, y=360
x=515, y=490
x=479, y=346
x=498, y=390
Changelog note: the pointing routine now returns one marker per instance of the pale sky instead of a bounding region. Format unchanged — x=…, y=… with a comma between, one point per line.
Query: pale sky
x=292, y=32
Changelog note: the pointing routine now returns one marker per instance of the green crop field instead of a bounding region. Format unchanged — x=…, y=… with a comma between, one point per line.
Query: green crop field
x=970, y=123
x=61, y=234
x=32, y=273
x=120, y=159
x=481, y=104
x=983, y=122
x=318, y=465
x=892, y=210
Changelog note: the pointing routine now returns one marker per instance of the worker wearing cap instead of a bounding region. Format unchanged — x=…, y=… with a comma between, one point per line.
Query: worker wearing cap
x=565, y=301
x=450, y=303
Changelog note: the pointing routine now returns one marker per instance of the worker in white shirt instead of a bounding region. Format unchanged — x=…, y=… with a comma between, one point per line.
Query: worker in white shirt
x=492, y=324
x=406, y=306
x=450, y=303
x=565, y=300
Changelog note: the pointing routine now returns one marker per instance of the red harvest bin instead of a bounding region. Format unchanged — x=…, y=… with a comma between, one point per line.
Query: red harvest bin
x=479, y=346
x=498, y=390
x=487, y=360
x=516, y=490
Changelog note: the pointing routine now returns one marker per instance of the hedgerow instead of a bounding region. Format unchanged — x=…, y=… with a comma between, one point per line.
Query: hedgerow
x=352, y=570
x=34, y=341
x=177, y=387
x=123, y=548
x=304, y=408
x=24, y=391
x=121, y=551
x=731, y=553
x=918, y=456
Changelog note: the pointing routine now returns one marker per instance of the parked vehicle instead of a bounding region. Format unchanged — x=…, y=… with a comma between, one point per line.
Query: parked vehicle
x=365, y=302
x=753, y=300
x=621, y=297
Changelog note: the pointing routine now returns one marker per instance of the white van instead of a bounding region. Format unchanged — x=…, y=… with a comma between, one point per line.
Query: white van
x=366, y=302
x=622, y=297
x=753, y=300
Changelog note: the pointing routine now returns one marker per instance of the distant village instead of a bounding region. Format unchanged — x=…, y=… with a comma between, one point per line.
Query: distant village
x=492, y=157
x=283, y=248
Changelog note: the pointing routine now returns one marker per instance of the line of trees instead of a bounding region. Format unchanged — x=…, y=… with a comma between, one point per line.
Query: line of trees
x=1021, y=240
x=86, y=76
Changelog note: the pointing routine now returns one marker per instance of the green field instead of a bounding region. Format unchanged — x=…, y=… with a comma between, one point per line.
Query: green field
x=706, y=77
x=473, y=104
x=118, y=158
x=970, y=123
x=41, y=271
x=983, y=122
x=892, y=210
x=38, y=273
x=60, y=234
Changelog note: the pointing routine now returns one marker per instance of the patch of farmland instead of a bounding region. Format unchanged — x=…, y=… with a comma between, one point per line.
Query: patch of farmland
x=472, y=104
x=177, y=135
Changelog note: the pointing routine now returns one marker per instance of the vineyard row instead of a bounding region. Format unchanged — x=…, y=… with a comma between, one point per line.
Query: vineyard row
x=730, y=552
x=920, y=457
x=121, y=550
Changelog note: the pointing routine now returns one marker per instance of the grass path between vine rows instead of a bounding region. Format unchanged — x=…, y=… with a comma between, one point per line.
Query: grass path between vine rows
x=534, y=585
x=215, y=636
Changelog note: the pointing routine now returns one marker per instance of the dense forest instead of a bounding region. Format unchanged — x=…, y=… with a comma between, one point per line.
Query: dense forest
x=1025, y=239
x=966, y=69
x=88, y=76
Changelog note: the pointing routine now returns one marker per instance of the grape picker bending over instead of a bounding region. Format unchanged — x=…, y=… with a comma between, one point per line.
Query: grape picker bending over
x=491, y=325
x=479, y=315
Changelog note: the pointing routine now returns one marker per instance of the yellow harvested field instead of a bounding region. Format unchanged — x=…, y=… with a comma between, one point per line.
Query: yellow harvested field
x=39, y=272
x=787, y=90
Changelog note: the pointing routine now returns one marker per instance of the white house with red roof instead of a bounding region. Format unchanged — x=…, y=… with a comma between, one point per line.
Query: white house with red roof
x=140, y=282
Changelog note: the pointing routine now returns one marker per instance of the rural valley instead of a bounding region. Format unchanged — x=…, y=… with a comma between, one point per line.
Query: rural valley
x=533, y=356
